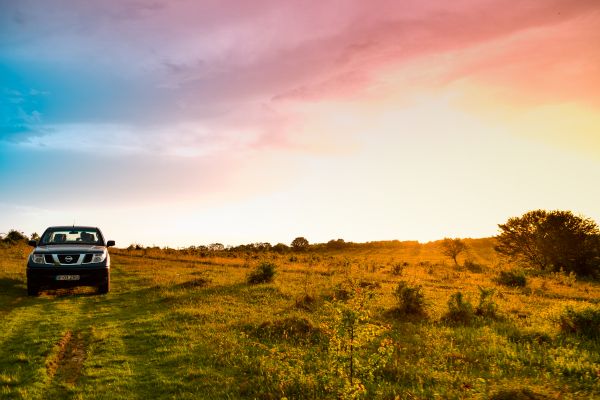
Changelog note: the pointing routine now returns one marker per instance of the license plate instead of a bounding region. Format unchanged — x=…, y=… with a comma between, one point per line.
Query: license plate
x=67, y=277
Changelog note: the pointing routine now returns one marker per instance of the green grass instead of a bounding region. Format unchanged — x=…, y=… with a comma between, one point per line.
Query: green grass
x=183, y=326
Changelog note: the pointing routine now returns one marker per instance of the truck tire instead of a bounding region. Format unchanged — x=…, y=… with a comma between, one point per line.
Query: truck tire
x=105, y=287
x=32, y=290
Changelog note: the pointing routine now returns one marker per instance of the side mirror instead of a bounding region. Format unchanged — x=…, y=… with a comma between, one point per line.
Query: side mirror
x=110, y=243
x=32, y=243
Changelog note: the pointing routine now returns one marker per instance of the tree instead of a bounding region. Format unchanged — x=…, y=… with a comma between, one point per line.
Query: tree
x=262, y=246
x=300, y=244
x=452, y=248
x=14, y=236
x=280, y=248
x=552, y=240
x=216, y=247
x=336, y=244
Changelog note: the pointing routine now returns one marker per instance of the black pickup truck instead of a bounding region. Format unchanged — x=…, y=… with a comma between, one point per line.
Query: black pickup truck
x=68, y=256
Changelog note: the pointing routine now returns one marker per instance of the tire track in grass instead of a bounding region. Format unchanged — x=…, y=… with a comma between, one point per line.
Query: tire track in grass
x=40, y=341
x=106, y=325
x=67, y=360
x=27, y=339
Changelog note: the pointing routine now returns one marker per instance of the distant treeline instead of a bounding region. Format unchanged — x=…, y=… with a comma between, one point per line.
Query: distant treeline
x=295, y=246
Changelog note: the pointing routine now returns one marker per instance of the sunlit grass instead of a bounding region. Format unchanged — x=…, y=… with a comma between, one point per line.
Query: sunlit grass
x=179, y=325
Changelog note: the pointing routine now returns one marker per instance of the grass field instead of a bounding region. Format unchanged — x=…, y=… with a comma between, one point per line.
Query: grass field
x=179, y=325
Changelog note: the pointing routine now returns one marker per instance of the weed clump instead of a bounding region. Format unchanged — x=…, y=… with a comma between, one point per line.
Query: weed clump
x=195, y=283
x=369, y=284
x=291, y=329
x=411, y=299
x=513, y=278
x=487, y=308
x=563, y=278
x=517, y=394
x=306, y=302
x=516, y=335
x=460, y=310
x=585, y=322
x=474, y=267
x=398, y=268
x=263, y=273
x=343, y=291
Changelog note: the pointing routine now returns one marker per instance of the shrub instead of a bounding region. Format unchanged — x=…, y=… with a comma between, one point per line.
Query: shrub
x=584, y=322
x=411, y=299
x=487, y=307
x=263, y=273
x=514, y=278
x=355, y=351
x=459, y=310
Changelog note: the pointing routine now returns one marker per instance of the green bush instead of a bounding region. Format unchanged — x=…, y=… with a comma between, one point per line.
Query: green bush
x=585, y=322
x=514, y=278
x=460, y=311
x=263, y=273
x=411, y=299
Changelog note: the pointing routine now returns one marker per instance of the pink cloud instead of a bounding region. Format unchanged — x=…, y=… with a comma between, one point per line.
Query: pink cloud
x=229, y=67
x=351, y=59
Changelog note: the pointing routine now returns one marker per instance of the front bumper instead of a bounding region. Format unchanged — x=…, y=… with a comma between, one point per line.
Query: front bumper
x=88, y=276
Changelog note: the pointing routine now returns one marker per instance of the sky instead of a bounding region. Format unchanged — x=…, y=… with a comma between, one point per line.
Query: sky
x=178, y=123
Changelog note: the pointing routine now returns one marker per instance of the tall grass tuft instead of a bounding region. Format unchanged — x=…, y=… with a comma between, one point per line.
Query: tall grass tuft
x=263, y=273
x=487, y=308
x=460, y=310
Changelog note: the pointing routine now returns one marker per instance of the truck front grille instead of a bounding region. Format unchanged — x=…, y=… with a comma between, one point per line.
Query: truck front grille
x=68, y=258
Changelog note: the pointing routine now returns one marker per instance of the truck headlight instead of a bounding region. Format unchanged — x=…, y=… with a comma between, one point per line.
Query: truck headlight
x=37, y=258
x=96, y=258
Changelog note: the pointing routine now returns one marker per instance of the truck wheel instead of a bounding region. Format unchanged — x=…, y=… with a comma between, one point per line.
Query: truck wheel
x=104, y=288
x=32, y=290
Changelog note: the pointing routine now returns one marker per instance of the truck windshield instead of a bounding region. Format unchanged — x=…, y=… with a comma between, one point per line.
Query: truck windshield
x=71, y=236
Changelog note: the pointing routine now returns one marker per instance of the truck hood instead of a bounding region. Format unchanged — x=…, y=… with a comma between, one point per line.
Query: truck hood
x=70, y=248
